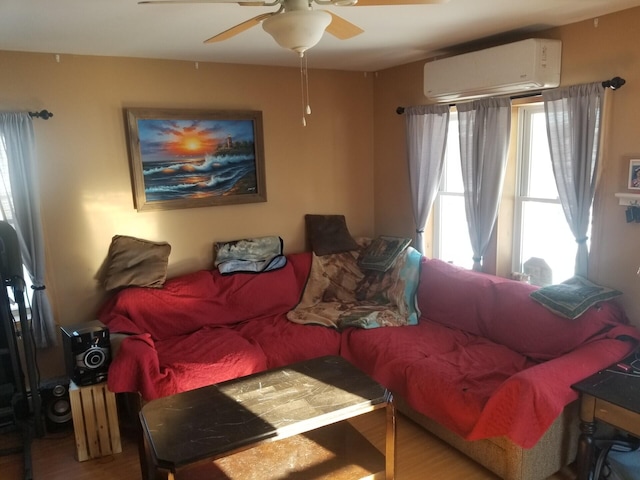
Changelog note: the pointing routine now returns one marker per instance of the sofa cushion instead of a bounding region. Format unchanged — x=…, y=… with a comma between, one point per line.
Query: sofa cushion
x=184, y=362
x=206, y=298
x=446, y=374
x=503, y=311
x=284, y=342
x=209, y=355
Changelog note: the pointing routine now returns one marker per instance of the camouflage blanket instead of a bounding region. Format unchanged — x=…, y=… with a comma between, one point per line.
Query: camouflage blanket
x=340, y=294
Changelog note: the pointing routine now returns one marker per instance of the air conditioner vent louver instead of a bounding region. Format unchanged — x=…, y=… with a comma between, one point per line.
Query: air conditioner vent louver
x=532, y=64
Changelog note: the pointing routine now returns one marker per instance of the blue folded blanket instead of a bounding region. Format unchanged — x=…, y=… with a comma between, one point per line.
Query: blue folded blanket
x=250, y=255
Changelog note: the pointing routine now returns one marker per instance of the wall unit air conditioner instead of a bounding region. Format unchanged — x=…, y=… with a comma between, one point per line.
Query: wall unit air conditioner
x=528, y=65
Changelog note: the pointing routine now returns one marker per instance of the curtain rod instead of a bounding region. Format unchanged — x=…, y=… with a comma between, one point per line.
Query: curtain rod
x=614, y=84
x=43, y=114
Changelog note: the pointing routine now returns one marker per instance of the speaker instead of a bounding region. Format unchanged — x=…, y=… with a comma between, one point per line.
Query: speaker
x=87, y=352
x=56, y=405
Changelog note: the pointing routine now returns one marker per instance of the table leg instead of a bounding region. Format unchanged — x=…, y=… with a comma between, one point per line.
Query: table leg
x=390, y=456
x=147, y=466
x=584, y=460
x=144, y=454
x=162, y=474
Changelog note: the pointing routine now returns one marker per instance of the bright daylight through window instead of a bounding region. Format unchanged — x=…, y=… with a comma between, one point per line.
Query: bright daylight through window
x=6, y=212
x=451, y=234
x=540, y=228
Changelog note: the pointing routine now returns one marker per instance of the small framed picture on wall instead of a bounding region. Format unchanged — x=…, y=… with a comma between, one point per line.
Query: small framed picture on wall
x=634, y=174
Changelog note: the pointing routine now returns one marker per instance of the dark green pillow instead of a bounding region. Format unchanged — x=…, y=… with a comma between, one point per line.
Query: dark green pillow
x=573, y=297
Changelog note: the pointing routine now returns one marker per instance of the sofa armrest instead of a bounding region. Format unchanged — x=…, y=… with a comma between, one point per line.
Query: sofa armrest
x=526, y=404
x=115, y=340
x=135, y=366
x=578, y=364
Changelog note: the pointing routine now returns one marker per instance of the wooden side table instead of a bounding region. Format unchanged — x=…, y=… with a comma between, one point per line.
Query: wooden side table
x=95, y=421
x=611, y=396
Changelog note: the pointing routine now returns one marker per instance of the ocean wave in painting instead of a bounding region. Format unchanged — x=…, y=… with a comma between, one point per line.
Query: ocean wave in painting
x=211, y=176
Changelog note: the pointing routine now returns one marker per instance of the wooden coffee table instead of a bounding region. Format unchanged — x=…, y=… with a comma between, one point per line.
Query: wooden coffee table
x=282, y=423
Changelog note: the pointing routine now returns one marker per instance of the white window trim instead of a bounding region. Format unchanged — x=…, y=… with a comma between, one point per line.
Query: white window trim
x=437, y=219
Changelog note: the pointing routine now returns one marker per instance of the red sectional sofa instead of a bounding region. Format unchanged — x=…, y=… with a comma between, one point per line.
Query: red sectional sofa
x=487, y=368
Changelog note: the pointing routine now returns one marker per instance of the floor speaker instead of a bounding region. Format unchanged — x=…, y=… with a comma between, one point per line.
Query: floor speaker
x=56, y=405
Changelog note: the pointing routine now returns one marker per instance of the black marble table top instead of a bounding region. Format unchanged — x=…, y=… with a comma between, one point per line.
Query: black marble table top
x=216, y=420
x=615, y=385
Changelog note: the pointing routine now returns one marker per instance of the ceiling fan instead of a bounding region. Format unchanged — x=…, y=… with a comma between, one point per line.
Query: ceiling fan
x=296, y=25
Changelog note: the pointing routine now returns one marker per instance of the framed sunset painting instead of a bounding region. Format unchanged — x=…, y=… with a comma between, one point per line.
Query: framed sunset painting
x=195, y=158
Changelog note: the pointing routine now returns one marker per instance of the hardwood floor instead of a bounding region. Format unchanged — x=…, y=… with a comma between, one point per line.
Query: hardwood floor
x=420, y=456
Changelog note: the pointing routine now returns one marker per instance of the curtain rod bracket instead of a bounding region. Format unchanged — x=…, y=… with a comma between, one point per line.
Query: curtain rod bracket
x=43, y=114
x=614, y=84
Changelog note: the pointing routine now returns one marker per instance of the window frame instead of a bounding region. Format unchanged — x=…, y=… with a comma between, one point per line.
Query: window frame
x=522, y=194
x=506, y=245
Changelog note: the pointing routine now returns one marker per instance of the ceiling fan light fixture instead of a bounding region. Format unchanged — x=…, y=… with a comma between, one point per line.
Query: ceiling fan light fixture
x=297, y=30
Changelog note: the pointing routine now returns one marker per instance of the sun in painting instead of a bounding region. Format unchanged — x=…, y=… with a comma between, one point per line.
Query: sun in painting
x=191, y=141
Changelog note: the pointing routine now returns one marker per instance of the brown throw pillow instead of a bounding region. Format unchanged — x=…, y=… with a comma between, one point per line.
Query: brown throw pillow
x=329, y=234
x=136, y=262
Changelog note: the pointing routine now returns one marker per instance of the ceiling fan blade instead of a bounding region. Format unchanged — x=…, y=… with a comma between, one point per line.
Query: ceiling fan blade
x=372, y=3
x=250, y=3
x=341, y=28
x=241, y=27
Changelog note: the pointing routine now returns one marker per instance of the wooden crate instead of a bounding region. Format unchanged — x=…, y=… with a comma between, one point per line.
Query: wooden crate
x=95, y=421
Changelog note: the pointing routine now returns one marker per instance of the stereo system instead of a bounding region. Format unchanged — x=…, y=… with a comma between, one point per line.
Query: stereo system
x=56, y=404
x=87, y=351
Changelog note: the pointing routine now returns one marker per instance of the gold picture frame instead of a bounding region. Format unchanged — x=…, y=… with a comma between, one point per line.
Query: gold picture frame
x=195, y=158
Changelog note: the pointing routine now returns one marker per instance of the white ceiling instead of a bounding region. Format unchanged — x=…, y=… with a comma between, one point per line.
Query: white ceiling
x=393, y=35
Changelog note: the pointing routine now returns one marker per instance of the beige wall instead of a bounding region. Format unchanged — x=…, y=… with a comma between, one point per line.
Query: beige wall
x=590, y=53
x=86, y=194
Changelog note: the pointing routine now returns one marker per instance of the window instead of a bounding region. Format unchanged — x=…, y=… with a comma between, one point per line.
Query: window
x=540, y=228
x=451, y=235
x=6, y=213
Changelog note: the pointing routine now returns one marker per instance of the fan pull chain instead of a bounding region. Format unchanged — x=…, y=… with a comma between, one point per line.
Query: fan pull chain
x=304, y=120
x=306, y=81
x=304, y=86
